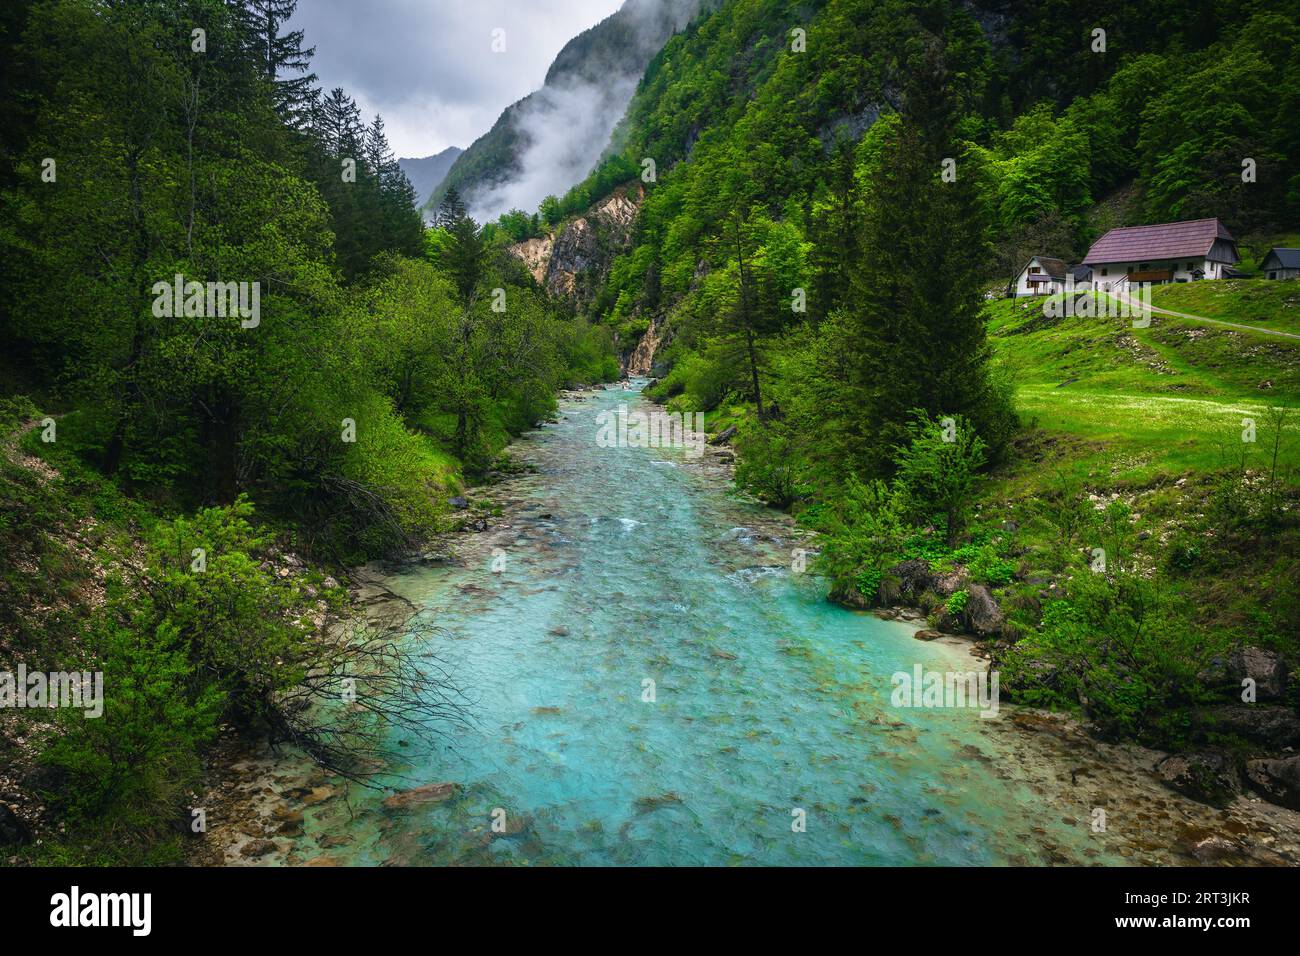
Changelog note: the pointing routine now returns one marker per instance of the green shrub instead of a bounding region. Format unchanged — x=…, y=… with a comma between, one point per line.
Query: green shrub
x=767, y=463
x=986, y=566
x=863, y=536
x=937, y=470
x=136, y=761
x=1122, y=648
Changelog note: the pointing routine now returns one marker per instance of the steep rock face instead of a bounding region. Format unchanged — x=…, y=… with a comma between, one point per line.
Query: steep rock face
x=574, y=262
x=536, y=254
x=641, y=361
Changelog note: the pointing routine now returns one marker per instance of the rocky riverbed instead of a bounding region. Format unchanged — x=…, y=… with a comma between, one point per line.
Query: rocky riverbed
x=768, y=700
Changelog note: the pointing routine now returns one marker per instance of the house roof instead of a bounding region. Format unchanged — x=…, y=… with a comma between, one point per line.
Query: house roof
x=1169, y=240
x=1053, y=267
x=1286, y=258
x=1081, y=273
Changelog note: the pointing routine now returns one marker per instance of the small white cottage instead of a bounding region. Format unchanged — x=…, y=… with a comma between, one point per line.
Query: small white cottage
x=1043, y=275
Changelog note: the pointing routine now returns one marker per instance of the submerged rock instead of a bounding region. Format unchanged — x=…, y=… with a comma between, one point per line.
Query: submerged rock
x=420, y=796
x=648, y=804
x=257, y=848
x=1209, y=777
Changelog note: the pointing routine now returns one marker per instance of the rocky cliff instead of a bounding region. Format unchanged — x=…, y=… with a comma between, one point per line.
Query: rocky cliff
x=641, y=361
x=573, y=262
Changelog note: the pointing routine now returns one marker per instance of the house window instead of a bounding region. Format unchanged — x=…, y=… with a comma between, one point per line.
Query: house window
x=1034, y=270
x=1191, y=266
x=1145, y=266
x=1105, y=272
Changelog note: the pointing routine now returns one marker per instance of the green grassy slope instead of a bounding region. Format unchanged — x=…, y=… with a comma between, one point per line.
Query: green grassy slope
x=1165, y=399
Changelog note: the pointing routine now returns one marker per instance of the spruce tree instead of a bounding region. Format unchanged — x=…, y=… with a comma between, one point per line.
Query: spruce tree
x=451, y=210
x=279, y=55
x=917, y=302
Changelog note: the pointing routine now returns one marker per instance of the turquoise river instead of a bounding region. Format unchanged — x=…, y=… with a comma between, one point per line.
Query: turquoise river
x=611, y=568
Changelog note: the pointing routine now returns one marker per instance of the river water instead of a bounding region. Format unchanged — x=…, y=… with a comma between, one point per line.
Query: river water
x=770, y=736
x=767, y=736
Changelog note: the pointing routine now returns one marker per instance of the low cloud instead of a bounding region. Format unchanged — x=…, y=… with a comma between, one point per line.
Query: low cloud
x=567, y=123
x=428, y=67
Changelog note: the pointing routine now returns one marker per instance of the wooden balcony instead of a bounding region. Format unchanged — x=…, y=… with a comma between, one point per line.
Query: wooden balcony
x=1152, y=275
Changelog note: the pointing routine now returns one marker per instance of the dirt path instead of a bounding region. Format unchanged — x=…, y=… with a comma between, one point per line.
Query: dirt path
x=1132, y=303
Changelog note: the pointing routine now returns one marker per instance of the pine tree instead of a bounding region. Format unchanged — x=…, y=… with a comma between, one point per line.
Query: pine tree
x=378, y=154
x=278, y=55
x=917, y=296
x=451, y=210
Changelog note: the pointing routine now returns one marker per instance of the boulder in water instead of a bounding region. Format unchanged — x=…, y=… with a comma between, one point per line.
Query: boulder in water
x=1278, y=781
x=421, y=796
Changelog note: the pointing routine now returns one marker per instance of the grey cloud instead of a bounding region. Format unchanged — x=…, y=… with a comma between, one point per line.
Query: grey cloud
x=427, y=65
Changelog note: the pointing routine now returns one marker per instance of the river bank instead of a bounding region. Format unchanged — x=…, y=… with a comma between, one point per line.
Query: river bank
x=628, y=568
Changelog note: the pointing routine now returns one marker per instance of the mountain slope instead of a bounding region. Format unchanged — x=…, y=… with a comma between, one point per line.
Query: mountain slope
x=551, y=139
x=427, y=174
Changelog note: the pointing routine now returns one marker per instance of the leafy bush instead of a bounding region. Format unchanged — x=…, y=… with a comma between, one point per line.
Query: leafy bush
x=986, y=566
x=938, y=469
x=1183, y=555
x=134, y=763
x=864, y=534
x=767, y=463
x=1119, y=646
x=211, y=630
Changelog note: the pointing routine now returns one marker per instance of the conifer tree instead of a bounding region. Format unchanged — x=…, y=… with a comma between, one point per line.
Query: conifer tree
x=917, y=295
x=279, y=55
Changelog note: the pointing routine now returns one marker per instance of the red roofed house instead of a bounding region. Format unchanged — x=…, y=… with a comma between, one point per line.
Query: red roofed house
x=1169, y=252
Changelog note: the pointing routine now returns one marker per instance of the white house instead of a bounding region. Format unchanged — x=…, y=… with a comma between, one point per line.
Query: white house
x=1040, y=276
x=1168, y=252
x=1044, y=276
x=1281, y=263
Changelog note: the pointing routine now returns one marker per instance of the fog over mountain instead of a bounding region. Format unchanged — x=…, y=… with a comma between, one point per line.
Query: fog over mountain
x=551, y=139
x=428, y=67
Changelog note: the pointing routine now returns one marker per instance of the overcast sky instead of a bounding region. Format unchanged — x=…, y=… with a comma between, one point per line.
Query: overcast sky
x=427, y=66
